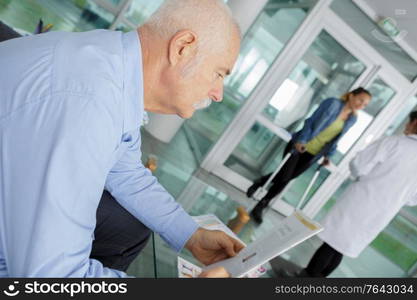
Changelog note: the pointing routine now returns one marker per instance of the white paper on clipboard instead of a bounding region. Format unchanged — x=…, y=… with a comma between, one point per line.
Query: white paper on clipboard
x=186, y=269
x=290, y=232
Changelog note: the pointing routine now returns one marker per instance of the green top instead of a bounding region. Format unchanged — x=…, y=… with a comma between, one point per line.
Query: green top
x=315, y=145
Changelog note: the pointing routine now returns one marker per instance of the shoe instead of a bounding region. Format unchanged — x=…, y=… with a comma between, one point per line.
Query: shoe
x=287, y=274
x=251, y=190
x=302, y=274
x=256, y=216
x=256, y=212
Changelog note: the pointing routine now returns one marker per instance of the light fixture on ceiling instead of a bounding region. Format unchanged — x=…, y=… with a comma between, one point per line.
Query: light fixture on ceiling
x=389, y=26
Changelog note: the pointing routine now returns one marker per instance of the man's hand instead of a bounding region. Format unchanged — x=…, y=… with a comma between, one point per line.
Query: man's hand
x=301, y=148
x=210, y=246
x=218, y=272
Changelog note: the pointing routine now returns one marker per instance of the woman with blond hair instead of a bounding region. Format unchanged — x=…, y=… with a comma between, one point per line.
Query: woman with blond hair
x=318, y=138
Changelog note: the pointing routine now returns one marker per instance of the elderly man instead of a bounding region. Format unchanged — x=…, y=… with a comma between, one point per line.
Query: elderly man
x=70, y=112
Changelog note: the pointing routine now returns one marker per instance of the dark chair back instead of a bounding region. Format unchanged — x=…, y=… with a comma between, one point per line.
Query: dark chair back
x=7, y=33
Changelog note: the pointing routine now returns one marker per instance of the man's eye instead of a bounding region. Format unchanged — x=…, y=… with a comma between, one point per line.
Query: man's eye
x=219, y=75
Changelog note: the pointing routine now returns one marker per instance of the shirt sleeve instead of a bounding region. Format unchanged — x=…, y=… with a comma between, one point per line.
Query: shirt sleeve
x=368, y=158
x=58, y=172
x=413, y=201
x=134, y=187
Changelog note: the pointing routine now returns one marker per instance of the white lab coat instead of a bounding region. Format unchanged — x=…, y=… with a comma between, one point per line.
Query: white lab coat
x=387, y=180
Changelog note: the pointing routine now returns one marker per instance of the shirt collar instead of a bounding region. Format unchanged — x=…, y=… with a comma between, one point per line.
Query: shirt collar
x=132, y=82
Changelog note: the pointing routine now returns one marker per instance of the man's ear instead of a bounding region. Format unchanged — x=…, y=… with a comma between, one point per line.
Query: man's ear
x=182, y=47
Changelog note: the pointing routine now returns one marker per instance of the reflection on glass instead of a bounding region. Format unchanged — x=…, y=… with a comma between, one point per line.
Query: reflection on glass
x=326, y=70
x=258, y=151
x=260, y=47
x=381, y=95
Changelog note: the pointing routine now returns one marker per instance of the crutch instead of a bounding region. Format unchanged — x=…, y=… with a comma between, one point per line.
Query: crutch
x=262, y=191
x=313, y=180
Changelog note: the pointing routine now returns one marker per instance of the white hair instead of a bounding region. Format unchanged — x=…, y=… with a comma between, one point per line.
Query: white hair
x=211, y=20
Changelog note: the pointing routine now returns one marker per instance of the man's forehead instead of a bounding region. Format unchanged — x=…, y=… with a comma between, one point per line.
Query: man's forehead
x=226, y=62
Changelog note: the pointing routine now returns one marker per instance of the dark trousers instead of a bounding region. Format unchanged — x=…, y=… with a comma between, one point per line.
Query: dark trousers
x=295, y=166
x=119, y=236
x=324, y=261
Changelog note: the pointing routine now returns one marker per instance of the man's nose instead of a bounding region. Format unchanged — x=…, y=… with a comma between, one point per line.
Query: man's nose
x=216, y=94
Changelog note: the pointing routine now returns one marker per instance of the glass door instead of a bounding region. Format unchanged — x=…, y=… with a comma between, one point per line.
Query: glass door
x=330, y=67
x=327, y=69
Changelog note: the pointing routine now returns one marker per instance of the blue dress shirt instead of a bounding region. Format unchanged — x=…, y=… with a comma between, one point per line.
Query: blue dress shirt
x=71, y=106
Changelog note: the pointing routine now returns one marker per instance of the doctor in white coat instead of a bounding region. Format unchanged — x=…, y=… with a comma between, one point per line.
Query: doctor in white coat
x=385, y=174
